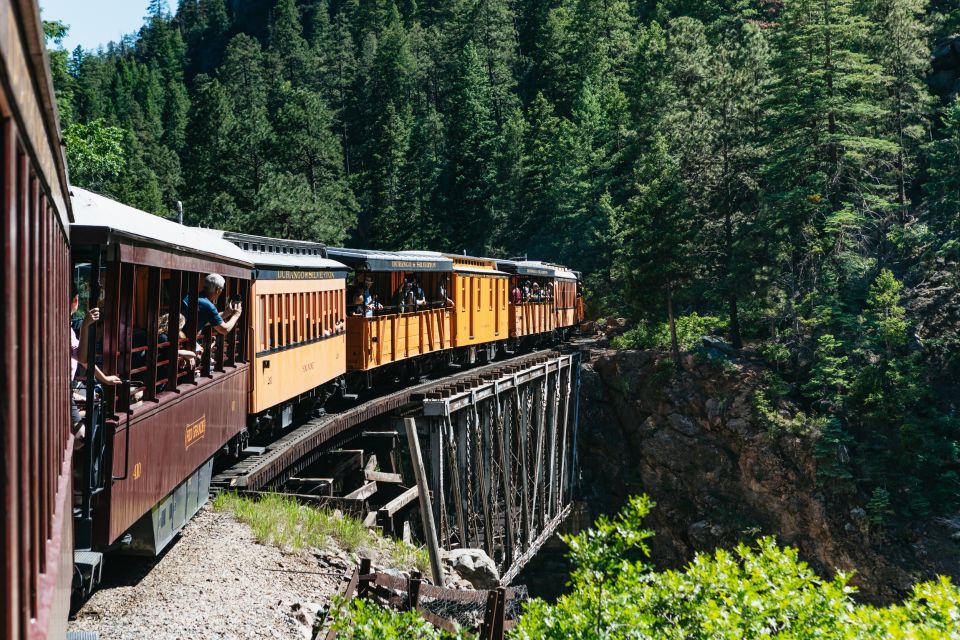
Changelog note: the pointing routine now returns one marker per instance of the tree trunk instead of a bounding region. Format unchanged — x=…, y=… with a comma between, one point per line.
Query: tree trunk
x=674, y=345
x=735, y=338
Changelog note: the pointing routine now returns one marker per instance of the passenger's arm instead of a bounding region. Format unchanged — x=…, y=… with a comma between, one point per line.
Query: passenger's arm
x=91, y=317
x=228, y=325
x=104, y=378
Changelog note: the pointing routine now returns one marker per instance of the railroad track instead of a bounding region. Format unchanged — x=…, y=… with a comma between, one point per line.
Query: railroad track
x=304, y=445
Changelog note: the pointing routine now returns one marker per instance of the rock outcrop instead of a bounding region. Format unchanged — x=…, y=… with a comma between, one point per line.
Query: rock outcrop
x=718, y=477
x=473, y=566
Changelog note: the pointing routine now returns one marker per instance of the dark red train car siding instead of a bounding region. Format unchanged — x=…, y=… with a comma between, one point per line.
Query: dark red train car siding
x=166, y=445
x=36, y=535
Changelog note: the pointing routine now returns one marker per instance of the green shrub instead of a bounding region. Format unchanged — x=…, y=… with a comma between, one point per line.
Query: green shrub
x=759, y=591
x=359, y=619
x=690, y=328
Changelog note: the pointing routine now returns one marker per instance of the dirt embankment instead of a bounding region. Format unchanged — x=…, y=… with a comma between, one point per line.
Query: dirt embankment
x=692, y=443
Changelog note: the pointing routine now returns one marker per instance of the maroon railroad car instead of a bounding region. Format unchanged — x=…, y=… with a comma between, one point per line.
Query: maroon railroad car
x=36, y=543
x=150, y=442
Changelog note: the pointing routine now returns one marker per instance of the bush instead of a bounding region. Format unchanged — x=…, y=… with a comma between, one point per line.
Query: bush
x=359, y=619
x=690, y=328
x=758, y=591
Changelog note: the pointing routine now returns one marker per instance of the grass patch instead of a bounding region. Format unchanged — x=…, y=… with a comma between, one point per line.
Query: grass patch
x=283, y=522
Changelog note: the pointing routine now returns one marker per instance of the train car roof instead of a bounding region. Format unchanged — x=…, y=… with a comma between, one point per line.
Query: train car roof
x=98, y=219
x=275, y=252
x=537, y=268
x=373, y=260
x=462, y=263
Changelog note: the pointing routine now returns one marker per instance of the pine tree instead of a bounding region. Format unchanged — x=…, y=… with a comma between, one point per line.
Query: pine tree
x=653, y=238
x=903, y=53
x=285, y=207
x=242, y=76
x=943, y=188
x=470, y=167
x=210, y=131
x=288, y=52
x=826, y=164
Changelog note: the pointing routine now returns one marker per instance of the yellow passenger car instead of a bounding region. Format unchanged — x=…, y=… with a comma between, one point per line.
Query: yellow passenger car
x=480, y=299
x=296, y=324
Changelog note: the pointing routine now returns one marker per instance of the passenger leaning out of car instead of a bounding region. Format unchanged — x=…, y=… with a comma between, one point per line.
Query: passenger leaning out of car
x=207, y=312
x=78, y=356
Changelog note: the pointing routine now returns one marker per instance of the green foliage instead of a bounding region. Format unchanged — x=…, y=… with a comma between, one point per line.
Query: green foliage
x=758, y=591
x=878, y=508
x=360, y=619
x=832, y=453
x=828, y=376
x=94, y=153
x=690, y=329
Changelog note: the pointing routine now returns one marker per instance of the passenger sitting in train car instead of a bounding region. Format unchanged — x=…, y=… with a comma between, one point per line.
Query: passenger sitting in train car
x=368, y=296
x=357, y=308
x=403, y=299
x=516, y=296
x=536, y=294
x=375, y=305
x=207, y=312
x=419, y=297
x=187, y=359
x=442, y=288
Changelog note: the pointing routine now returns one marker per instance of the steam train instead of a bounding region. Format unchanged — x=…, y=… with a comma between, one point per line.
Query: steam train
x=315, y=322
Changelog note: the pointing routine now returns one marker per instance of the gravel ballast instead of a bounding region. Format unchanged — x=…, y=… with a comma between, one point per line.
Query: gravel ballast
x=214, y=582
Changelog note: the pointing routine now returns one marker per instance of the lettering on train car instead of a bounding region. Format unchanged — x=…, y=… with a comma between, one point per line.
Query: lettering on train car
x=537, y=272
x=194, y=432
x=308, y=367
x=413, y=264
x=137, y=471
x=297, y=275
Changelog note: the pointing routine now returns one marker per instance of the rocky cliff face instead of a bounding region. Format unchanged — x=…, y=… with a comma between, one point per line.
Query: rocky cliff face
x=693, y=444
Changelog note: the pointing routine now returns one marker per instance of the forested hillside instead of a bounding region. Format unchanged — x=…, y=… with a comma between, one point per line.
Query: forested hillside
x=781, y=166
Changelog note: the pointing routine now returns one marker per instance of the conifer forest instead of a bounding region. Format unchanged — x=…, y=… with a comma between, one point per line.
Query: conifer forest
x=784, y=173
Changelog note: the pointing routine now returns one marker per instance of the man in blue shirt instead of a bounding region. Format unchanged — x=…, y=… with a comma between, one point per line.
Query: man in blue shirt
x=207, y=312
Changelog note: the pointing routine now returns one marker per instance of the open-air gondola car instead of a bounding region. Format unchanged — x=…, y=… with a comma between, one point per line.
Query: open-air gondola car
x=150, y=441
x=543, y=298
x=386, y=328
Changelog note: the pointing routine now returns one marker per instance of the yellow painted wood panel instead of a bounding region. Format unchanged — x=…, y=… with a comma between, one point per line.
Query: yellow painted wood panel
x=530, y=318
x=480, y=304
x=296, y=370
x=373, y=342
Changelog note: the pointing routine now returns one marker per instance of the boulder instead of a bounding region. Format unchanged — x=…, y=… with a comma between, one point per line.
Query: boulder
x=474, y=566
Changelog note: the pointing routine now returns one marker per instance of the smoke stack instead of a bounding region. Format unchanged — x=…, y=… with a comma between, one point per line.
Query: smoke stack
x=179, y=212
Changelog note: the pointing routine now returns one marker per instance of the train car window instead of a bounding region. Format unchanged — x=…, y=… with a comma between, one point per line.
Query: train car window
x=271, y=322
x=326, y=311
x=262, y=323
x=479, y=281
